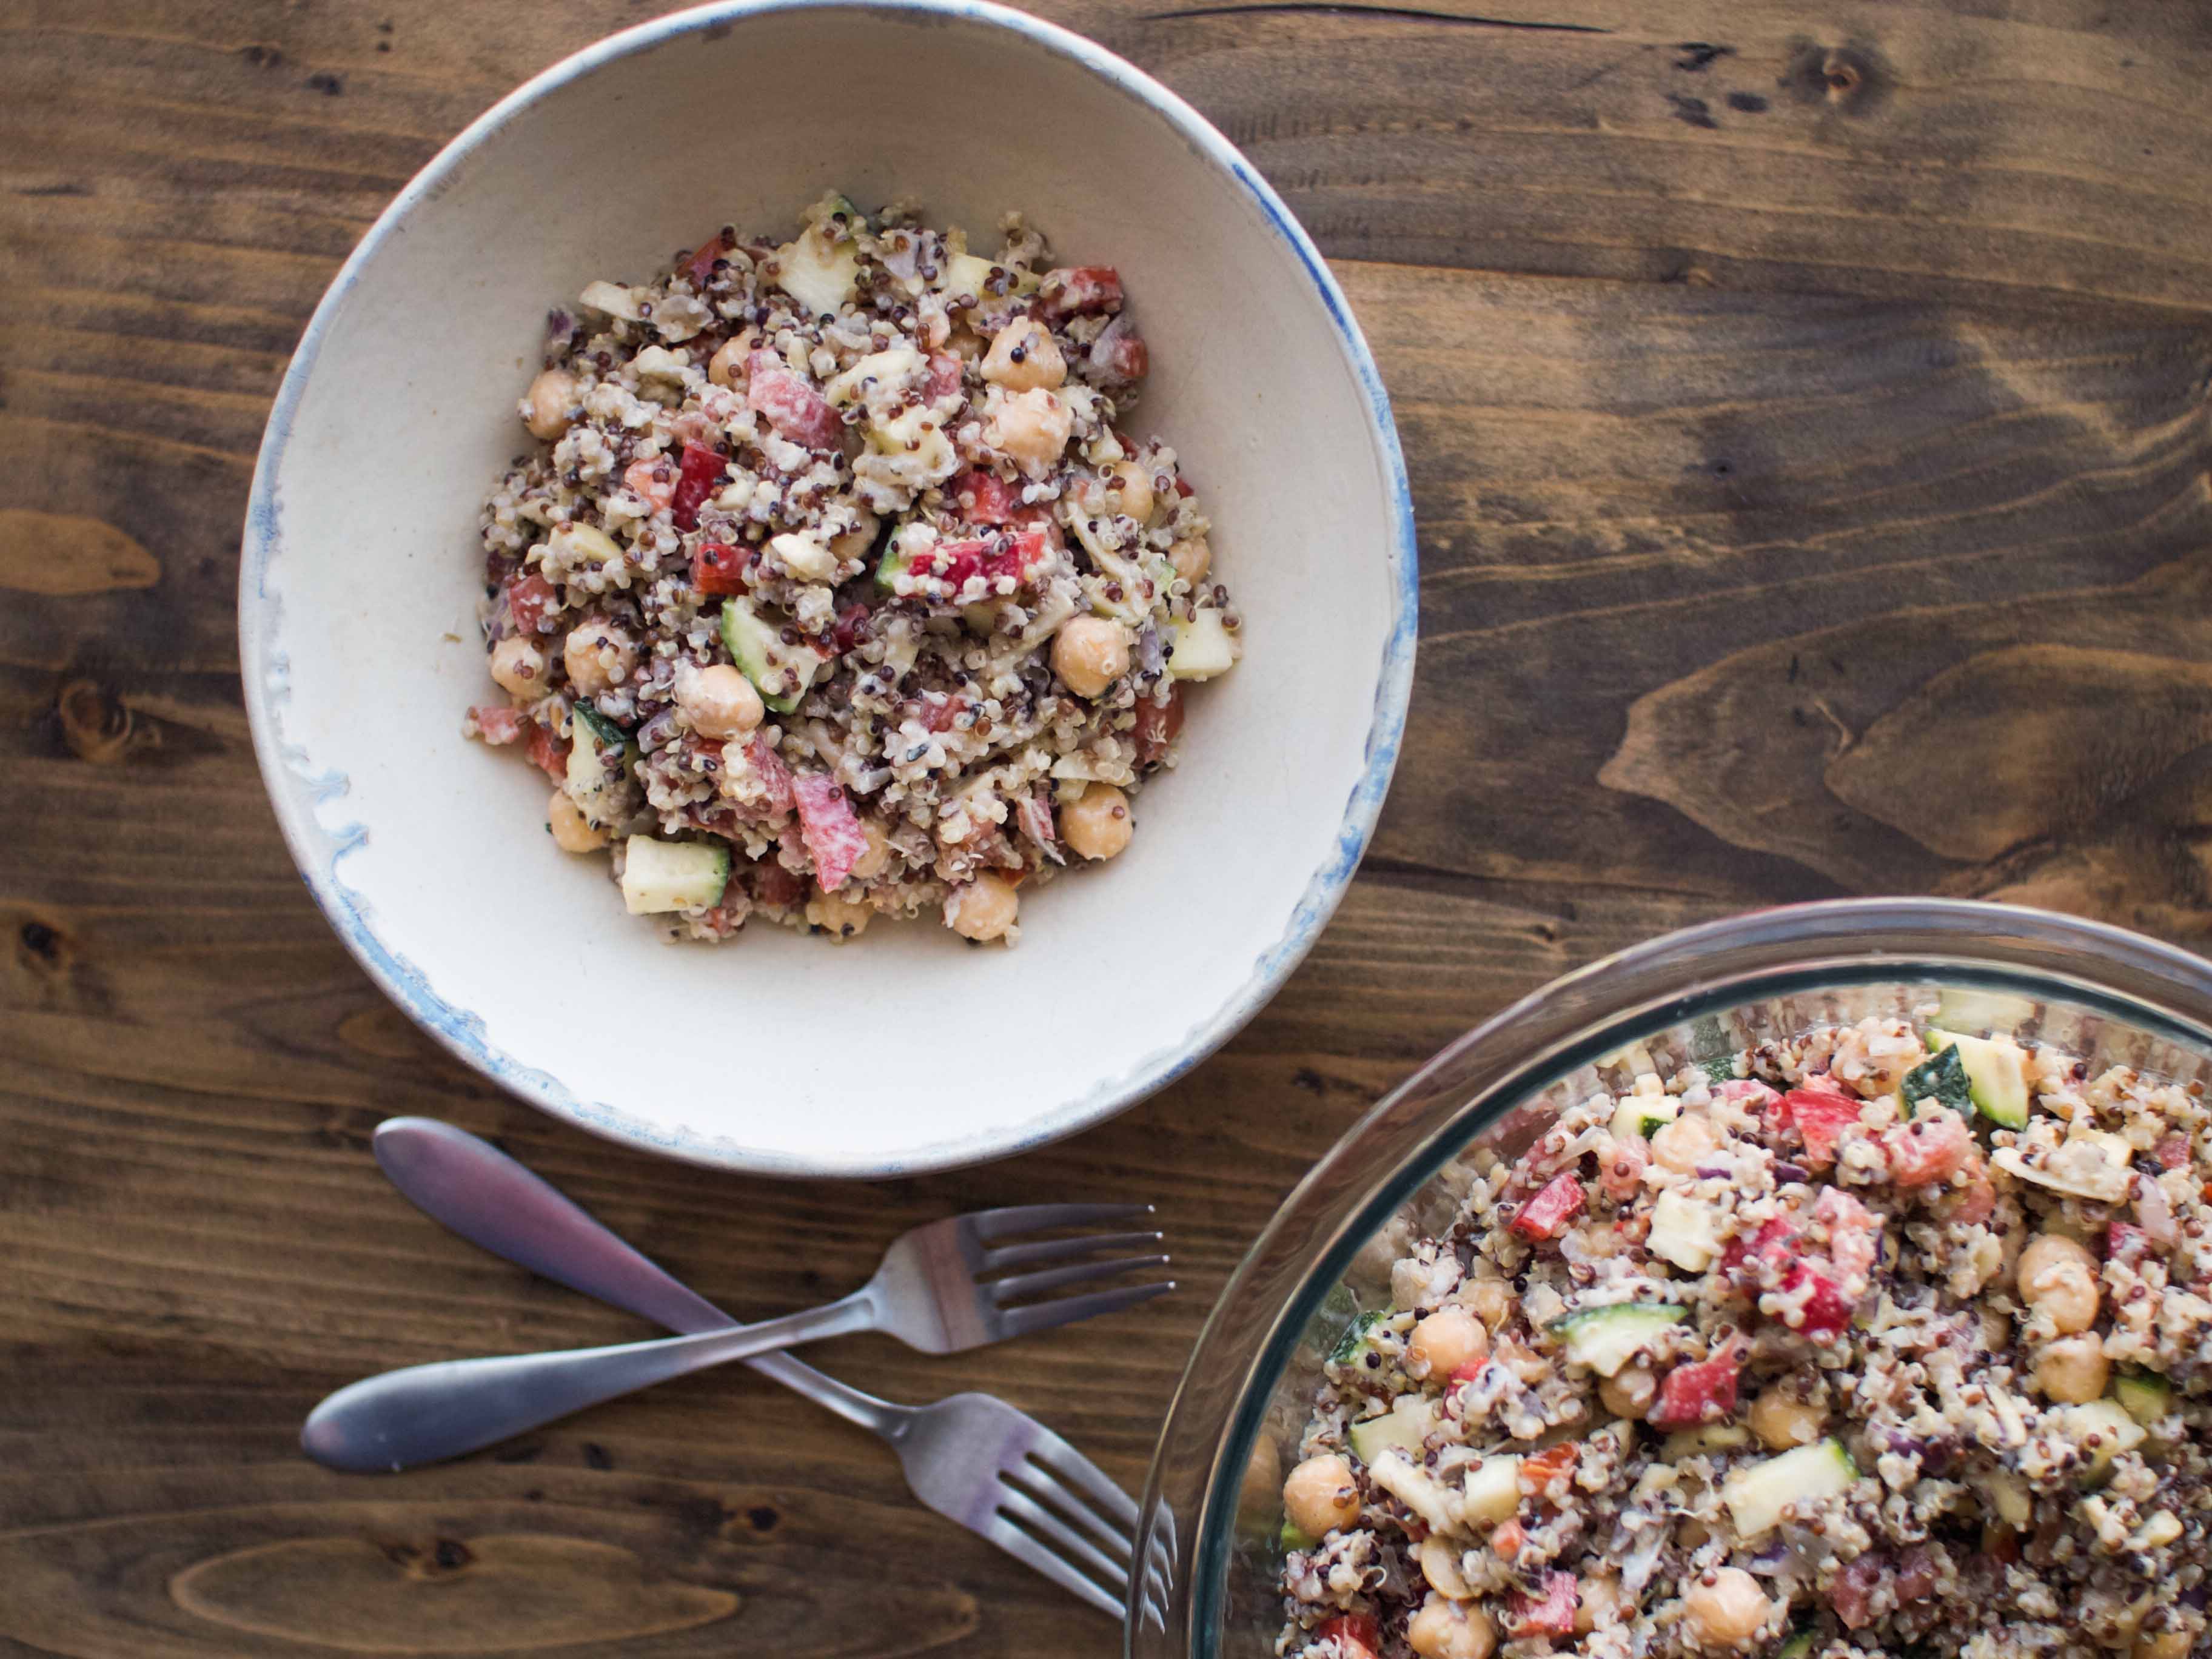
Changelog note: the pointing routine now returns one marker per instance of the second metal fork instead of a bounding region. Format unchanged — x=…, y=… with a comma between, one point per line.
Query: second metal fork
x=974, y=1459
x=932, y=1292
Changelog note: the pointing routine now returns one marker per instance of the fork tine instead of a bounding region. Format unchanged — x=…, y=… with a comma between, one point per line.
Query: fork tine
x=987, y=1225
x=1062, y=1249
x=1057, y=1531
x=1004, y=1290
x=1050, y=1315
x=1040, y=1559
x=1056, y=1457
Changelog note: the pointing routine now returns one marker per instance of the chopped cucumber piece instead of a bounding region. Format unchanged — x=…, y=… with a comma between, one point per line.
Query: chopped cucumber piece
x=1977, y=1011
x=821, y=269
x=970, y=274
x=1199, y=649
x=600, y=758
x=1643, y=1114
x=1942, y=1079
x=1997, y=1075
x=673, y=875
x=2007, y=1493
x=1493, y=1489
x=583, y=546
x=1294, y=1537
x=1606, y=1338
x=1757, y=1496
x=2144, y=1396
x=1355, y=1338
x=2088, y=1164
x=1703, y=1442
x=1800, y=1644
x=2115, y=1429
x=1404, y=1427
x=780, y=673
x=893, y=367
x=1398, y=1474
x=1683, y=1230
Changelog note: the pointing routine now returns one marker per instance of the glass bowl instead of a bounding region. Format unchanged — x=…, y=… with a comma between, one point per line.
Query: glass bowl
x=1212, y=1506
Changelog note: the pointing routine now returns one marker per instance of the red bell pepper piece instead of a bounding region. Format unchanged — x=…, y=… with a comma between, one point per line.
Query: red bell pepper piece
x=983, y=497
x=1546, y=1216
x=530, y=600
x=1077, y=290
x=1698, y=1392
x=1820, y=1115
x=954, y=563
x=1358, y=1627
x=793, y=408
x=719, y=568
x=1553, y=1614
x=1158, y=723
x=704, y=469
x=826, y=822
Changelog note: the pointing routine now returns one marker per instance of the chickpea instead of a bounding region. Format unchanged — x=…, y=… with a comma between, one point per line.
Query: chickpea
x=1121, y=486
x=729, y=356
x=1096, y=823
x=1440, y=1566
x=1031, y=428
x=1023, y=357
x=1782, y=1419
x=2073, y=1368
x=572, y=831
x=983, y=909
x=1726, y=1613
x=719, y=701
x=1629, y=1391
x=1320, y=1496
x=549, y=400
x=1090, y=653
x=1447, y=1339
x=598, y=657
x=1684, y=1144
x=1451, y=1630
x=2166, y=1644
x=1192, y=557
x=2059, y=1278
x=518, y=667
x=1491, y=1300
x=837, y=914
x=878, y=857
x=1600, y=1594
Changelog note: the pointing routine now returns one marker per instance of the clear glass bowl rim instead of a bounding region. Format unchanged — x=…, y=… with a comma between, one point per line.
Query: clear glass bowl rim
x=1404, y=1138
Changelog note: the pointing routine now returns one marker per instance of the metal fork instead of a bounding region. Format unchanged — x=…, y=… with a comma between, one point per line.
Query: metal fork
x=972, y=1458
x=930, y=1292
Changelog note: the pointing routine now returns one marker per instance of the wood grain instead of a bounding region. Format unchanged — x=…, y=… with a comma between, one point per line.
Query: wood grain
x=1808, y=416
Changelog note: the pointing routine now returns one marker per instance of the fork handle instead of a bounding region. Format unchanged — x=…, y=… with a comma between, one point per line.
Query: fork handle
x=427, y=1413
x=470, y=1187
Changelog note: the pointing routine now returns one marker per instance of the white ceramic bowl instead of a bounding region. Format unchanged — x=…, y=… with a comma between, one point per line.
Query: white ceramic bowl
x=782, y=1053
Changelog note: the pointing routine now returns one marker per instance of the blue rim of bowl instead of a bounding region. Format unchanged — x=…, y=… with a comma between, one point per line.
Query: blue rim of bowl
x=317, y=851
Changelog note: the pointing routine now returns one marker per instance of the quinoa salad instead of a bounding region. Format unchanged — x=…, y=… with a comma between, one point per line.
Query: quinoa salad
x=1895, y=1337
x=837, y=585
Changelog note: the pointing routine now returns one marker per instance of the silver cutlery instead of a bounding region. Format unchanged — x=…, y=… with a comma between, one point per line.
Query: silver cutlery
x=972, y=1458
x=931, y=1292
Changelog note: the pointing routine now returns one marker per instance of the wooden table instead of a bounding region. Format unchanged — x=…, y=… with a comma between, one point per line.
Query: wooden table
x=1809, y=431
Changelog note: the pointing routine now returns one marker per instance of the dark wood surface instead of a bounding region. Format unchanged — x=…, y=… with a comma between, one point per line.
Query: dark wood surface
x=1808, y=430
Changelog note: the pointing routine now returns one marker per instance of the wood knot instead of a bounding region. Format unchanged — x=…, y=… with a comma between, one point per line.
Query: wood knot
x=761, y=1518
x=95, y=723
x=43, y=947
x=1851, y=79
